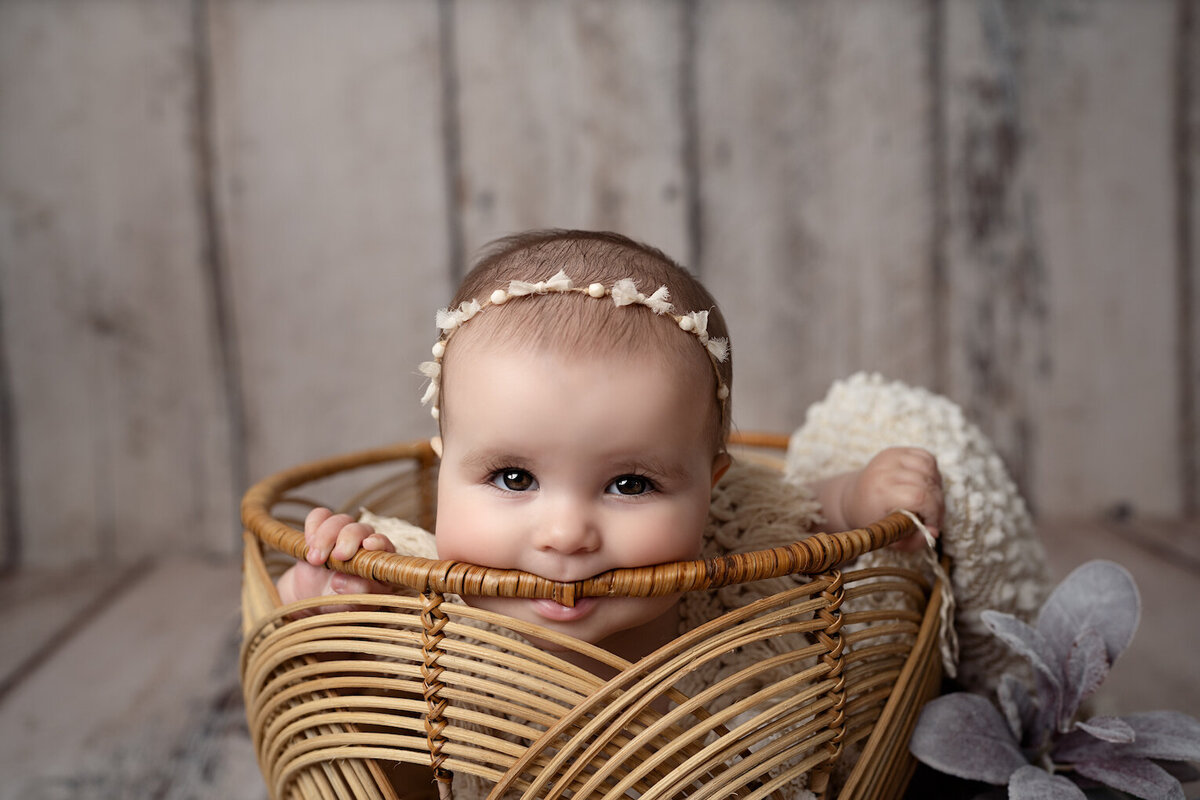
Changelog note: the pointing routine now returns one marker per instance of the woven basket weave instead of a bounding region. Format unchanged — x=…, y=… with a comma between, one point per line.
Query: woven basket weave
x=380, y=700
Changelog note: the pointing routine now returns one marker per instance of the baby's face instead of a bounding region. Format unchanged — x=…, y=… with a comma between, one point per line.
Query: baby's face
x=566, y=466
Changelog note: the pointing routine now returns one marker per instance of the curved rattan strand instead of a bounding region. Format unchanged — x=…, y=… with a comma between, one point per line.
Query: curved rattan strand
x=737, y=629
x=258, y=595
x=297, y=761
x=887, y=772
x=337, y=644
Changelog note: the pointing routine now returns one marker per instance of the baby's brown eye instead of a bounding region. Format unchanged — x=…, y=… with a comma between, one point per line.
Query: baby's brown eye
x=514, y=480
x=630, y=485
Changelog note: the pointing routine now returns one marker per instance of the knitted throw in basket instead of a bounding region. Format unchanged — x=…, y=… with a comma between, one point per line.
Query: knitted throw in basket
x=421, y=696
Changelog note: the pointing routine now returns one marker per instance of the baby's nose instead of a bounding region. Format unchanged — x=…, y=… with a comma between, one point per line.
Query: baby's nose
x=568, y=529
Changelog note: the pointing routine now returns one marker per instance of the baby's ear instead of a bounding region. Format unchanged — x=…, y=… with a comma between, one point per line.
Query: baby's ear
x=720, y=464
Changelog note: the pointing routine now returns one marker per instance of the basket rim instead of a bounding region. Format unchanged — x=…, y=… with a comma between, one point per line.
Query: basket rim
x=814, y=554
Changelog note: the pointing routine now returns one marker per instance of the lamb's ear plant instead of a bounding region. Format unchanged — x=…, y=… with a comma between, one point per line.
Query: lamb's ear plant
x=1031, y=739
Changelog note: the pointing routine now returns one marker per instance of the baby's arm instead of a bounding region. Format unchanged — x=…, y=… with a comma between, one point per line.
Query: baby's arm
x=338, y=535
x=898, y=477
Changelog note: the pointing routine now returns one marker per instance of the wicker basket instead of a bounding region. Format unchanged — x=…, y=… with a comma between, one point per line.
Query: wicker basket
x=376, y=701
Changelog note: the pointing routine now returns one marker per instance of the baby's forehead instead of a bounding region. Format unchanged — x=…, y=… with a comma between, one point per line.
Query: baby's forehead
x=619, y=339
x=510, y=403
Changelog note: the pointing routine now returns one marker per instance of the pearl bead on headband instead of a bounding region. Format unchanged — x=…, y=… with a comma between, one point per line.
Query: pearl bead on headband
x=623, y=293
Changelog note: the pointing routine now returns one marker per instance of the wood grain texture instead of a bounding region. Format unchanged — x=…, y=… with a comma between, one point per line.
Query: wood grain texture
x=331, y=190
x=143, y=702
x=570, y=116
x=1061, y=264
x=10, y=496
x=116, y=397
x=1173, y=540
x=39, y=610
x=1188, y=241
x=994, y=268
x=815, y=152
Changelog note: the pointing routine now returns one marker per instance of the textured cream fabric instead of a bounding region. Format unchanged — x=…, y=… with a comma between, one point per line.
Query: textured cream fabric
x=997, y=561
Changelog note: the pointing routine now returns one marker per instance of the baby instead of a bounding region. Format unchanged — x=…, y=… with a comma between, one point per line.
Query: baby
x=584, y=412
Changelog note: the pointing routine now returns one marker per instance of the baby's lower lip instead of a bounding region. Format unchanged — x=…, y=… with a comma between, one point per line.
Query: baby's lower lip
x=550, y=610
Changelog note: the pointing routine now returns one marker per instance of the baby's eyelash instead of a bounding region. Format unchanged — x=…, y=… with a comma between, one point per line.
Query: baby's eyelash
x=508, y=475
x=643, y=484
x=514, y=479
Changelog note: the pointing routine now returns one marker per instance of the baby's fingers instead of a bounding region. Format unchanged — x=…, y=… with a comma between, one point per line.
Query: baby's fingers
x=928, y=505
x=349, y=539
x=379, y=542
x=315, y=519
x=919, y=490
x=322, y=530
x=352, y=584
x=349, y=584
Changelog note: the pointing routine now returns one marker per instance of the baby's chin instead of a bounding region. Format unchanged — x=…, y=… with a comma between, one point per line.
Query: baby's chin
x=627, y=627
x=569, y=620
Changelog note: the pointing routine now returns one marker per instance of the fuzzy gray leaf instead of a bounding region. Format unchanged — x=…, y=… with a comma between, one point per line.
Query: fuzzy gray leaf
x=964, y=735
x=1160, y=735
x=1046, y=712
x=1027, y=642
x=1108, y=729
x=1034, y=783
x=1016, y=704
x=1098, y=594
x=1181, y=771
x=1165, y=735
x=1086, y=668
x=1047, y=672
x=1078, y=745
x=1139, y=777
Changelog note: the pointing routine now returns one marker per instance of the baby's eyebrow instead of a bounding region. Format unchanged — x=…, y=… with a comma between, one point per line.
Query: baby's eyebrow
x=665, y=470
x=490, y=459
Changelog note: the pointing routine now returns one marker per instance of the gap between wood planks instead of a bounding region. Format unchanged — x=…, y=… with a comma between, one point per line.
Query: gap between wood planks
x=50, y=608
x=1175, y=542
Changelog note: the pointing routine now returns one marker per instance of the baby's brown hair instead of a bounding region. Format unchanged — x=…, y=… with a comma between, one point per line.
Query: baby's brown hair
x=575, y=322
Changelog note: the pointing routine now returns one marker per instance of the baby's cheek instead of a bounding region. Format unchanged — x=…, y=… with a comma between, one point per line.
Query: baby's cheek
x=456, y=538
x=664, y=538
x=483, y=539
x=453, y=545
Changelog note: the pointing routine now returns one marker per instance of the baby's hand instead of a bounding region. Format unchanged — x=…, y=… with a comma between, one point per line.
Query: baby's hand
x=338, y=535
x=896, y=478
x=899, y=477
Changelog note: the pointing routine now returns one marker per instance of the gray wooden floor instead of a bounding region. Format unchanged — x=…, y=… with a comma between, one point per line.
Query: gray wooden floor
x=124, y=684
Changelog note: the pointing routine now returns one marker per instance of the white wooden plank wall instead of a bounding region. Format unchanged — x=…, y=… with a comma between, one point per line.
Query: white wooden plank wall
x=122, y=441
x=570, y=116
x=333, y=216
x=225, y=224
x=816, y=195
x=1061, y=250
x=1187, y=141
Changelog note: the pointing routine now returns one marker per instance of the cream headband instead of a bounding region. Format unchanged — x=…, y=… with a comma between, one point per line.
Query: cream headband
x=623, y=293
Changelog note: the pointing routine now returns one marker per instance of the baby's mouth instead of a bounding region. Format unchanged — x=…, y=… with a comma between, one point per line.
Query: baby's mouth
x=556, y=612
